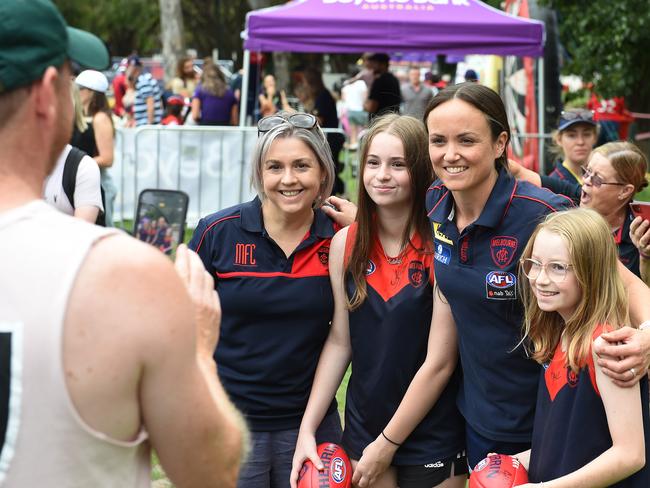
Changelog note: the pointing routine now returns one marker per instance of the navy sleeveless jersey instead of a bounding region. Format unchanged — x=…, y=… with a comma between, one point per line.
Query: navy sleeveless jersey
x=476, y=270
x=571, y=425
x=276, y=312
x=389, y=334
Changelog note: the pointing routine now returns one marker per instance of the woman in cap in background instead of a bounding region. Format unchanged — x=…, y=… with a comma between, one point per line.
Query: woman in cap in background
x=98, y=139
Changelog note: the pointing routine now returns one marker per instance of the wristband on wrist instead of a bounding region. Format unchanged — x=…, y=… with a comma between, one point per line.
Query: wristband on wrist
x=392, y=442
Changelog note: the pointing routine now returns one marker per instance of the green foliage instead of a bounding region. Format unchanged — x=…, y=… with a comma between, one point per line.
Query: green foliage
x=125, y=25
x=607, y=42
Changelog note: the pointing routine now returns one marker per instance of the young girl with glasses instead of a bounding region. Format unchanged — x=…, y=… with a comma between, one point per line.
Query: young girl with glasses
x=588, y=431
x=402, y=361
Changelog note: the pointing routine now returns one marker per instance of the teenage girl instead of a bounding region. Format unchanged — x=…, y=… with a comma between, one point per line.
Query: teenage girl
x=588, y=431
x=382, y=279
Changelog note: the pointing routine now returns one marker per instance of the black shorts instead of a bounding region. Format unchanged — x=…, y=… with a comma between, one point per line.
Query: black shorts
x=432, y=474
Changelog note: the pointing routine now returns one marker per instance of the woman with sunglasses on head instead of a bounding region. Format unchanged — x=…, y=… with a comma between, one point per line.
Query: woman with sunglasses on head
x=382, y=279
x=269, y=258
x=575, y=137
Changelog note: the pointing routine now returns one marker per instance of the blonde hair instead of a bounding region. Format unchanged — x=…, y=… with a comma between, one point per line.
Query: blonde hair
x=594, y=261
x=79, y=117
x=315, y=140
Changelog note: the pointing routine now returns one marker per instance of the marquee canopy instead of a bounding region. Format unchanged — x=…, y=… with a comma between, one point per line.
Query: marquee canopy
x=433, y=26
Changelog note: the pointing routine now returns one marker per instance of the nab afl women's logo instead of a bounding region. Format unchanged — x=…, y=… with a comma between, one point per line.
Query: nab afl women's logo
x=371, y=268
x=337, y=469
x=417, y=273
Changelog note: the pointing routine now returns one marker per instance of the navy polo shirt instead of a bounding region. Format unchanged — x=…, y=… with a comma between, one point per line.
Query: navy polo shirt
x=476, y=270
x=561, y=172
x=276, y=312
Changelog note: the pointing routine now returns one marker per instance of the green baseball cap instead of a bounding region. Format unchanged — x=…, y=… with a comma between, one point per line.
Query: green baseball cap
x=34, y=36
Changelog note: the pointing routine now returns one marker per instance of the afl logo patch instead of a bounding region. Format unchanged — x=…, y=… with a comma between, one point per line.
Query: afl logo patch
x=337, y=470
x=323, y=254
x=503, y=250
x=371, y=268
x=417, y=273
x=500, y=285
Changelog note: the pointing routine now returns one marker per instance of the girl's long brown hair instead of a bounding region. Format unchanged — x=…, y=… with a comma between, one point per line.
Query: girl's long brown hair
x=594, y=261
x=413, y=135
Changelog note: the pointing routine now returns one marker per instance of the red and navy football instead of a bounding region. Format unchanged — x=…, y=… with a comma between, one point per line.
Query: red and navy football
x=498, y=471
x=337, y=472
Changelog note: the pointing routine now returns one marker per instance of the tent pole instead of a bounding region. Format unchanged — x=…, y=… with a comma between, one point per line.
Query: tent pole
x=243, y=97
x=541, y=114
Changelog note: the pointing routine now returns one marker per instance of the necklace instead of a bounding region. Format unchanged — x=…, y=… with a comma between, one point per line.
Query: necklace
x=393, y=260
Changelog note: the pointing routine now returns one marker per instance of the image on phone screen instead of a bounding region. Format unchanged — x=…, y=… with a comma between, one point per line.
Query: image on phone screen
x=160, y=219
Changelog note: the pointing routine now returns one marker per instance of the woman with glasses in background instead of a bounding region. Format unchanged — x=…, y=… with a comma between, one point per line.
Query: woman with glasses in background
x=269, y=258
x=613, y=174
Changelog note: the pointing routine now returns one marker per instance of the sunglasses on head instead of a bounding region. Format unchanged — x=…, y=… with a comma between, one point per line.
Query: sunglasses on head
x=299, y=120
x=586, y=115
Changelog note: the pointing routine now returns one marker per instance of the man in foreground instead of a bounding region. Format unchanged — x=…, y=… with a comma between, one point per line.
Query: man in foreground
x=103, y=354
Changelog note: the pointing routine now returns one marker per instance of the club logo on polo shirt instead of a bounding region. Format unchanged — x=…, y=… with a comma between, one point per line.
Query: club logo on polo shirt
x=371, y=268
x=323, y=254
x=502, y=250
x=439, y=235
x=500, y=285
x=442, y=254
x=417, y=273
x=245, y=254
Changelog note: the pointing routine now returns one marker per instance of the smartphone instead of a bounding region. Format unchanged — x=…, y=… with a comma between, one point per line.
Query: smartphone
x=160, y=219
x=641, y=209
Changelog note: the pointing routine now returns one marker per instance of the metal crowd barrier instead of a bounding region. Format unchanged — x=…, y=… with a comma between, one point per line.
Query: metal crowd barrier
x=210, y=164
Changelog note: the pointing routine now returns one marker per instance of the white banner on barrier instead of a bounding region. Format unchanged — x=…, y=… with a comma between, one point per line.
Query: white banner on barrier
x=210, y=164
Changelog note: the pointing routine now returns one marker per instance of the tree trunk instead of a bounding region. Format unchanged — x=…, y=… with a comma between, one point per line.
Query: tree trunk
x=171, y=27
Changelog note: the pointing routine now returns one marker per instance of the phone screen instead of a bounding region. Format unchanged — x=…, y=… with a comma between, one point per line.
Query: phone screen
x=160, y=219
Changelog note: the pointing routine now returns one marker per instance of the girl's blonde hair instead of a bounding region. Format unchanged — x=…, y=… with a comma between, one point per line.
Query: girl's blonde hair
x=594, y=261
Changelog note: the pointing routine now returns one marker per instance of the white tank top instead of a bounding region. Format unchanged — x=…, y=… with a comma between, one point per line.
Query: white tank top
x=43, y=440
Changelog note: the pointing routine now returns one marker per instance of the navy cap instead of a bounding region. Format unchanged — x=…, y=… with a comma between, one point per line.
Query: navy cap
x=576, y=116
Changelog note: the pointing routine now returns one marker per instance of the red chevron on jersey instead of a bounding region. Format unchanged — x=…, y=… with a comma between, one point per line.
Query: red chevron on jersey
x=559, y=374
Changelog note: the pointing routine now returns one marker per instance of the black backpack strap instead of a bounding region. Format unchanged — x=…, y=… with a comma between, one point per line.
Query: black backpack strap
x=70, y=168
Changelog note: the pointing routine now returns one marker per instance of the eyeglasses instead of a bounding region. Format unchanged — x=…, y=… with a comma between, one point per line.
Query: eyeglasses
x=596, y=180
x=299, y=120
x=586, y=115
x=555, y=270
